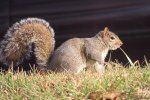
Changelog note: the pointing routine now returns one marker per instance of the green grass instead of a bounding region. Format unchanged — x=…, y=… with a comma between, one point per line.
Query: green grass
x=132, y=81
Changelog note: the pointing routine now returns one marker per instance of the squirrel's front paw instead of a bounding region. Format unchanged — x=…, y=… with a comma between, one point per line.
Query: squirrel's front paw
x=100, y=68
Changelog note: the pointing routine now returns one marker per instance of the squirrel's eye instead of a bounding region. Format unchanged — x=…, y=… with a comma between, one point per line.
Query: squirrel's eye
x=112, y=38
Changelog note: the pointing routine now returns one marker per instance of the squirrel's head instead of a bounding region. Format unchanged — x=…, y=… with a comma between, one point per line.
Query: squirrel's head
x=110, y=39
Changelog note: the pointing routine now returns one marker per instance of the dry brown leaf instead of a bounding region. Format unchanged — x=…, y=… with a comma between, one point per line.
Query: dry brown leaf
x=46, y=84
x=107, y=96
x=94, y=95
x=113, y=95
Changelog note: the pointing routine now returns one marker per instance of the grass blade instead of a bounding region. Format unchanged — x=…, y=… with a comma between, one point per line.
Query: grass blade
x=130, y=61
x=145, y=59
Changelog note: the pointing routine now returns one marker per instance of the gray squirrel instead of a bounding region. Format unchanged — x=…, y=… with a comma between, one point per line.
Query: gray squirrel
x=33, y=39
x=26, y=38
x=77, y=53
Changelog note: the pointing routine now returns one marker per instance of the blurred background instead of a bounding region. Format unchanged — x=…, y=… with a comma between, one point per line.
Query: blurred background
x=130, y=19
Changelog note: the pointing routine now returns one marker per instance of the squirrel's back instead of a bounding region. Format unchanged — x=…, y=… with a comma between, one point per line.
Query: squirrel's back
x=29, y=37
x=70, y=53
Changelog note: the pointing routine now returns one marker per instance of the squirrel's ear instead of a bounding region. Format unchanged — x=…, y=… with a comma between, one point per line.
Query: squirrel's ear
x=105, y=32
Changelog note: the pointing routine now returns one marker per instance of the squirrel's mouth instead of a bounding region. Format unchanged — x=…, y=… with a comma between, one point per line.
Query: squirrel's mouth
x=118, y=45
x=115, y=47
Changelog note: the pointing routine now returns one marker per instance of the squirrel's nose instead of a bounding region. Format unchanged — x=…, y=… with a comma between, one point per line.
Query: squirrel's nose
x=121, y=43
